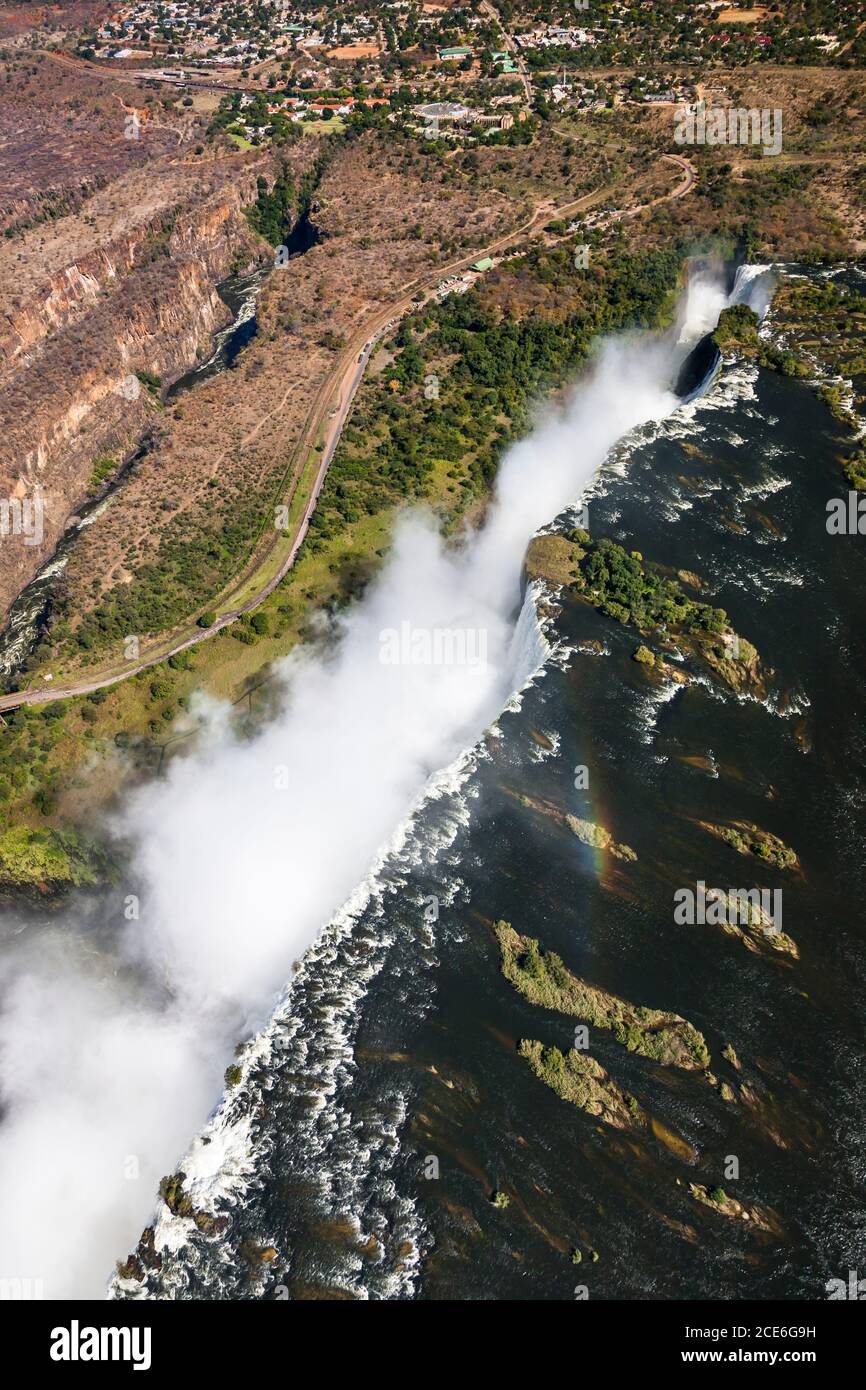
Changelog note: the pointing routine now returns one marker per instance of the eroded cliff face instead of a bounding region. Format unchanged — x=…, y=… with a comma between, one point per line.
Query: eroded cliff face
x=187, y=519
x=73, y=340
x=208, y=236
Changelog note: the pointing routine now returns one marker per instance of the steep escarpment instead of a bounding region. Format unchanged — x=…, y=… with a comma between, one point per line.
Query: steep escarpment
x=206, y=235
x=189, y=518
x=75, y=338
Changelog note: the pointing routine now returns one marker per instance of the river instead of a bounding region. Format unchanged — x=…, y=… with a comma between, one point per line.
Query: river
x=379, y=1099
x=396, y=1046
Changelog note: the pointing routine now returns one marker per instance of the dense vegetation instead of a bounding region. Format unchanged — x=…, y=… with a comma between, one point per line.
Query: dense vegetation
x=49, y=861
x=466, y=372
x=738, y=331
x=100, y=473
x=276, y=210
x=855, y=470
x=625, y=589
x=544, y=979
x=272, y=215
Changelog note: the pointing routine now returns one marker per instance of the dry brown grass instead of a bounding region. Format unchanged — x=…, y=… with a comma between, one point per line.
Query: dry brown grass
x=743, y=16
x=351, y=52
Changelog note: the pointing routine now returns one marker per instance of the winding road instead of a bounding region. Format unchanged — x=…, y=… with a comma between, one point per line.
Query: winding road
x=272, y=559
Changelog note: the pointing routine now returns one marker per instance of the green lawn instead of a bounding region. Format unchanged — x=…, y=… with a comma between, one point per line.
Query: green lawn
x=331, y=127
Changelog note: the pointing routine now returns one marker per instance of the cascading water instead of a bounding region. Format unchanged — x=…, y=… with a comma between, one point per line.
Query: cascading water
x=245, y=850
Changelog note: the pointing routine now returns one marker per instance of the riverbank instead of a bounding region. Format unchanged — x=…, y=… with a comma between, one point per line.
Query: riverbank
x=586, y=807
x=126, y=733
x=69, y=766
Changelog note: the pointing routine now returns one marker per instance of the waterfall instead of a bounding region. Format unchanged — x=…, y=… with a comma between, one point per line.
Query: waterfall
x=246, y=850
x=753, y=286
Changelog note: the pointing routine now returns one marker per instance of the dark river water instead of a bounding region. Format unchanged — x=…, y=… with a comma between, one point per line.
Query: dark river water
x=240, y=293
x=393, y=1101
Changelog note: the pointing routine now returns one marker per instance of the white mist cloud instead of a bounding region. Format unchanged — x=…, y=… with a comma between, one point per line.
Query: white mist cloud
x=240, y=873
x=98, y=1091
x=705, y=301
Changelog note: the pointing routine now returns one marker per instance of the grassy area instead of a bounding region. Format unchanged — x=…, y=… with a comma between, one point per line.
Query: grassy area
x=236, y=598
x=543, y=978
x=403, y=442
x=579, y=1079
x=331, y=127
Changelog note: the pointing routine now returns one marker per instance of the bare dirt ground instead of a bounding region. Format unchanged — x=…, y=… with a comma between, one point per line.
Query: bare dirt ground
x=62, y=130
x=111, y=250
x=742, y=16
x=352, y=51
x=388, y=213
x=18, y=20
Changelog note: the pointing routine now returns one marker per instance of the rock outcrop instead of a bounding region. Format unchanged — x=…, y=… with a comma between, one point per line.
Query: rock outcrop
x=74, y=334
x=544, y=979
x=582, y=1081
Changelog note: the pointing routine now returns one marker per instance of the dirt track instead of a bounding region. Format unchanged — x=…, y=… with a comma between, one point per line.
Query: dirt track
x=339, y=391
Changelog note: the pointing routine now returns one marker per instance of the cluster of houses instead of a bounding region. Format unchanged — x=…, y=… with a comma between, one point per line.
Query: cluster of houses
x=360, y=29
x=231, y=34
x=195, y=29
x=553, y=36
x=300, y=109
x=665, y=91
x=438, y=119
x=574, y=94
x=297, y=109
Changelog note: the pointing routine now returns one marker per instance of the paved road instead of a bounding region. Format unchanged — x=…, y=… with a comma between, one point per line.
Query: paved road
x=339, y=387
x=510, y=44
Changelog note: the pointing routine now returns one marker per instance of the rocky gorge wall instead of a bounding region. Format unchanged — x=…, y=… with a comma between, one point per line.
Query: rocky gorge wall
x=144, y=301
